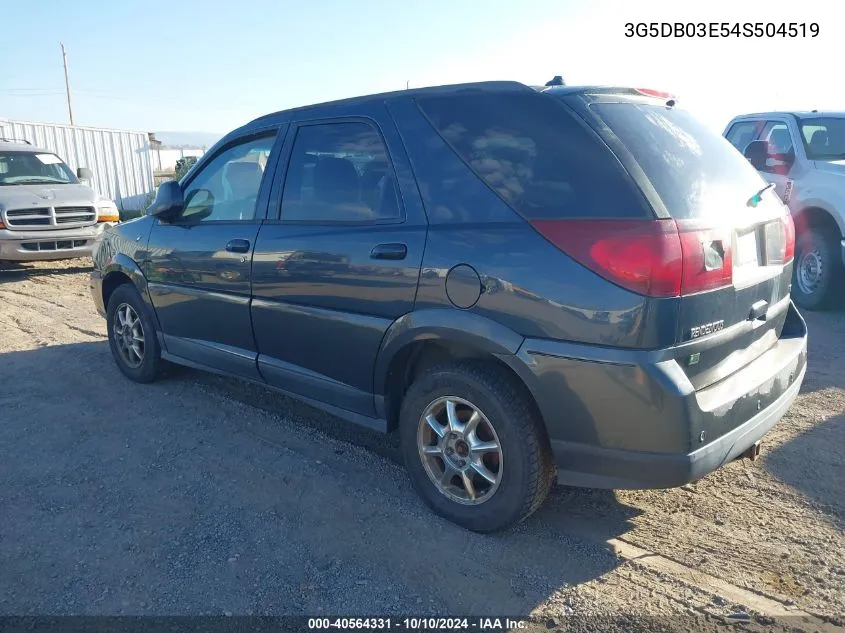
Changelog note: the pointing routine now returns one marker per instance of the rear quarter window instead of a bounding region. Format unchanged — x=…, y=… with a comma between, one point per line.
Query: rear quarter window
x=536, y=156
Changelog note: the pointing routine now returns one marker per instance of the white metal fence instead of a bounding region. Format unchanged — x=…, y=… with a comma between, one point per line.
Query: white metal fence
x=120, y=159
x=164, y=158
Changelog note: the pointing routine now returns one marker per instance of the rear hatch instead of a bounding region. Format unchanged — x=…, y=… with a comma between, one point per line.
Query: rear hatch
x=736, y=237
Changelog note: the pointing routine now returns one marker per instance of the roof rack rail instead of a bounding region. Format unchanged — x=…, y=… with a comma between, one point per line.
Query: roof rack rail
x=14, y=140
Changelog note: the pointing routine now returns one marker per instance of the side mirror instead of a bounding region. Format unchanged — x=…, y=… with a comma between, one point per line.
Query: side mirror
x=83, y=173
x=168, y=202
x=787, y=159
x=757, y=153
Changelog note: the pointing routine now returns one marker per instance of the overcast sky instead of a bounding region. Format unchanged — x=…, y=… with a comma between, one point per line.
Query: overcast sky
x=212, y=65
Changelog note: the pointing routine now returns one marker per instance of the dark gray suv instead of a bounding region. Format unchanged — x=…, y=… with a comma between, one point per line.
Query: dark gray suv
x=573, y=284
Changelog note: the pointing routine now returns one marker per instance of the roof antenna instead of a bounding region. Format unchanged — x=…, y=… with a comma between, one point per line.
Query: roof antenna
x=556, y=81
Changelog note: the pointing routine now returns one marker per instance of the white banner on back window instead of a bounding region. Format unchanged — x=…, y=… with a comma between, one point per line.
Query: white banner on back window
x=48, y=159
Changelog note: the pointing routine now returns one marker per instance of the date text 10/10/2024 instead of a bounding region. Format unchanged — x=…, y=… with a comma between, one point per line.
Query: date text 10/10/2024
x=418, y=624
x=722, y=29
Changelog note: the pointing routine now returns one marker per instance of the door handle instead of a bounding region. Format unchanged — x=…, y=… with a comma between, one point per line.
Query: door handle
x=389, y=251
x=238, y=246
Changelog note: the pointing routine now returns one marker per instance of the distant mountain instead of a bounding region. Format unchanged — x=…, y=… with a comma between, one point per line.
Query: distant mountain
x=188, y=139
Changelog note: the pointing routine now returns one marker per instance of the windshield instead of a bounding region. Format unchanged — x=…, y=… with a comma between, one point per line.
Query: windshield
x=31, y=168
x=696, y=172
x=824, y=138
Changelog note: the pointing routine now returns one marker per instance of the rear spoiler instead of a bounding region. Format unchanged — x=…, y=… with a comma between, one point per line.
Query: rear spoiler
x=667, y=97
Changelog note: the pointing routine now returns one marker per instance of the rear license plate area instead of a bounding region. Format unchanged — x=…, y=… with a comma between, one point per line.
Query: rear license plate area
x=749, y=257
x=747, y=254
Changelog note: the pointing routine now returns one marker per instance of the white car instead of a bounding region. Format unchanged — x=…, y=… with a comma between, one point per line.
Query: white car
x=803, y=155
x=45, y=211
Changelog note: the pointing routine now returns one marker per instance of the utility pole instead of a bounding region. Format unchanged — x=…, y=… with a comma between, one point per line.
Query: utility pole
x=67, y=84
x=407, y=84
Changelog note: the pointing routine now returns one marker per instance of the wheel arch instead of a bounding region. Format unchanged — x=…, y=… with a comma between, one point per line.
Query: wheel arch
x=123, y=269
x=818, y=219
x=426, y=338
x=817, y=213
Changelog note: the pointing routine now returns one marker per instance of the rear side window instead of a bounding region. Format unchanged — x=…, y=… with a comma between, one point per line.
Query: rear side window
x=695, y=171
x=532, y=152
x=824, y=138
x=339, y=172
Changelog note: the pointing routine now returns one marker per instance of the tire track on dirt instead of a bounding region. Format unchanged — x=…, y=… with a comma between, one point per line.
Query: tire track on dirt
x=34, y=297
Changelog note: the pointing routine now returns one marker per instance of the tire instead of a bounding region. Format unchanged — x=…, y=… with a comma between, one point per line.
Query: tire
x=817, y=272
x=151, y=366
x=523, y=466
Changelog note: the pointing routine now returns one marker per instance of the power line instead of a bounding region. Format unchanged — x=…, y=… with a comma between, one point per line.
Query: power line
x=108, y=96
x=27, y=89
x=40, y=94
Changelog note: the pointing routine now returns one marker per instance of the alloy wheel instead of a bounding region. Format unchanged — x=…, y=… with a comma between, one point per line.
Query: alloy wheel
x=129, y=335
x=460, y=450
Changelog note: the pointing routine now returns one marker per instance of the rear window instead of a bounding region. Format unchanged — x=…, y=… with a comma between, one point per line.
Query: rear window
x=532, y=152
x=696, y=172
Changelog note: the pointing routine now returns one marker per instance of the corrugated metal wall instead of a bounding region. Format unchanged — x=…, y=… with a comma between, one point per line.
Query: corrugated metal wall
x=120, y=160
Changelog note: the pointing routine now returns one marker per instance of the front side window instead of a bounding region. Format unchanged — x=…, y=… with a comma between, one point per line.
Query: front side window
x=339, y=172
x=824, y=138
x=781, y=151
x=779, y=138
x=226, y=189
x=32, y=168
x=742, y=133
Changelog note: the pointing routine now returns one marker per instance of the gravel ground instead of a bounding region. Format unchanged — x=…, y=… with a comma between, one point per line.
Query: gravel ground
x=204, y=495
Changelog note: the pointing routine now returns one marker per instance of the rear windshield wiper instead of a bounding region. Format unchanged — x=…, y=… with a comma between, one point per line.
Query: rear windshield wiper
x=754, y=200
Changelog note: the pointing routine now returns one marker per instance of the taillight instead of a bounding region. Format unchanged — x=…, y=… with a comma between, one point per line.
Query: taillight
x=708, y=261
x=656, y=258
x=789, y=237
x=780, y=241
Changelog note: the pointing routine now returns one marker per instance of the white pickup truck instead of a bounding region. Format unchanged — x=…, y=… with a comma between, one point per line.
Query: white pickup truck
x=45, y=211
x=803, y=155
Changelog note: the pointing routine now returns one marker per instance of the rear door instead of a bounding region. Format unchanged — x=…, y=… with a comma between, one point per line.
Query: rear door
x=713, y=193
x=339, y=259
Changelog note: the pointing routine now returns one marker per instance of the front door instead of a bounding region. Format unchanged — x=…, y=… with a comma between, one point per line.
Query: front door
x=198, y=267
x=781, y=145
x=340, y=264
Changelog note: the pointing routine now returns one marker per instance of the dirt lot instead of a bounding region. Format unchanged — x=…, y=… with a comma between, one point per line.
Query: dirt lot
x=203, y=495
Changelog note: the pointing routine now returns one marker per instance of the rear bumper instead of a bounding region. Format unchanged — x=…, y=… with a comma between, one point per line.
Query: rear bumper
x=617, y=420
x=596, y=467
x=25, y=246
